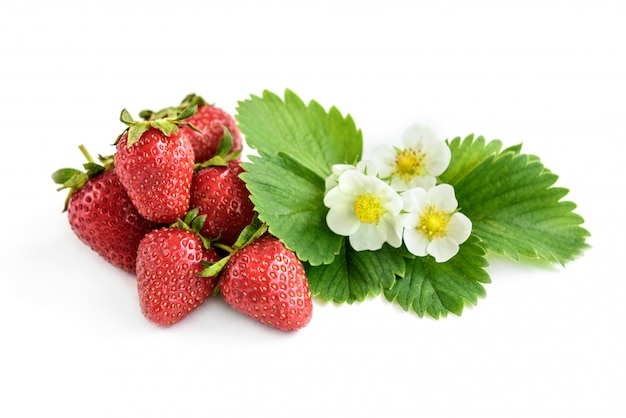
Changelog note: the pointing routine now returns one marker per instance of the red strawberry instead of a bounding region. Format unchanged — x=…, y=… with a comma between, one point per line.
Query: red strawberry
x=210, y=120
x=169, y=261
x=101, y=214
x=154, y=161
x=220, y=194
x=267, y=282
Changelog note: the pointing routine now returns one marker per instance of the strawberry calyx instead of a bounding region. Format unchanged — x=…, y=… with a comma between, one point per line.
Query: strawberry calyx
x=256, y=229
x=223, y=154
x=173, y=111
x=168, y=124
x=74, y=179
x=193, y=222
x=194, y=99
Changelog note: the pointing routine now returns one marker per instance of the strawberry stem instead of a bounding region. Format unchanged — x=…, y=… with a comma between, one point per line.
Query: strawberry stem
x=224, y=247
x=85, y=153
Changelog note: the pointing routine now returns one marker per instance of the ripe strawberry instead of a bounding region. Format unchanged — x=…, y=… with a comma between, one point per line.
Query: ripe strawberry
x=220, y=194
x=154, y=161
x=101, y=214
x=169, y=261
x=267, y=282
x=210, y=120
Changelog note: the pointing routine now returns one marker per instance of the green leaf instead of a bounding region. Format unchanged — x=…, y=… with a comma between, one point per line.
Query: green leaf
x=436, y=289
x=314, y=138
x=297, y=146
x=289, y=199
x=466, y=155
x=515, y=210
x=355, y=275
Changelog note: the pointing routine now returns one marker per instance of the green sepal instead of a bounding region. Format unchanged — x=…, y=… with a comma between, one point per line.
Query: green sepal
x=166, y=126
x=187, y=112
x=222, y=155
x=74, y=179
x=93, y=169
x=193, y=222
x=193, y=99
x=167, y=123
x=256, y=229
x=64, y=175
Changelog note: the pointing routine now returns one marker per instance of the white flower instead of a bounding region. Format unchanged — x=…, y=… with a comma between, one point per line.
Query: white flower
x=365, y=209
x=432, y=224
x=364, y=166
x=416, y=165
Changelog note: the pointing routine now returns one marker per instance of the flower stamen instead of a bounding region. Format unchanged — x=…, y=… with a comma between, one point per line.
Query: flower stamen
x=433, y=223
x=368, y=208
x=409, y=164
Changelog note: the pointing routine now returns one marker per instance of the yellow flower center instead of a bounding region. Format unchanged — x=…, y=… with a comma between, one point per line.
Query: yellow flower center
x=409, y=164
x=368, y=208
x=433, y=223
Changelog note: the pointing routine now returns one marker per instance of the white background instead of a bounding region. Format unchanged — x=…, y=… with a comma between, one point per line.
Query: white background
x=547, y=341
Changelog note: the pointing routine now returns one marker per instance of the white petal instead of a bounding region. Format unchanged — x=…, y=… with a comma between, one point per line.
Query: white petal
x=367, y=167
x=342, y=220
x=367, y=237
x=338, y=169
x=336, y=197
x=415, y=200
x=415, y=242
x=443, y=249
x=425, y=182
x=384, y=158
x=410, y=220
x=351, y=182
x=437, y=158
x=459, y=228
x=442, y=196
x=392, y=227
x=416, y=136
x=398, y=184
x=392, y=202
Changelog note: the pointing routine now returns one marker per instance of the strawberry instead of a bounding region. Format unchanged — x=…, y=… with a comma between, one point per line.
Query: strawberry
x=101, y=213
x=209, y=122
x=169, y=261
x=219, y=192
x=267, y=282
x=154, y=162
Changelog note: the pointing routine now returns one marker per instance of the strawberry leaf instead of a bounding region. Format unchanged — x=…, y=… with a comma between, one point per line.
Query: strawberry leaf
x=467, y=154
x=514, y=208
x=314, y=138
x=436, y=289
x=297, y=146
x=355, y=275
x=289, y=199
